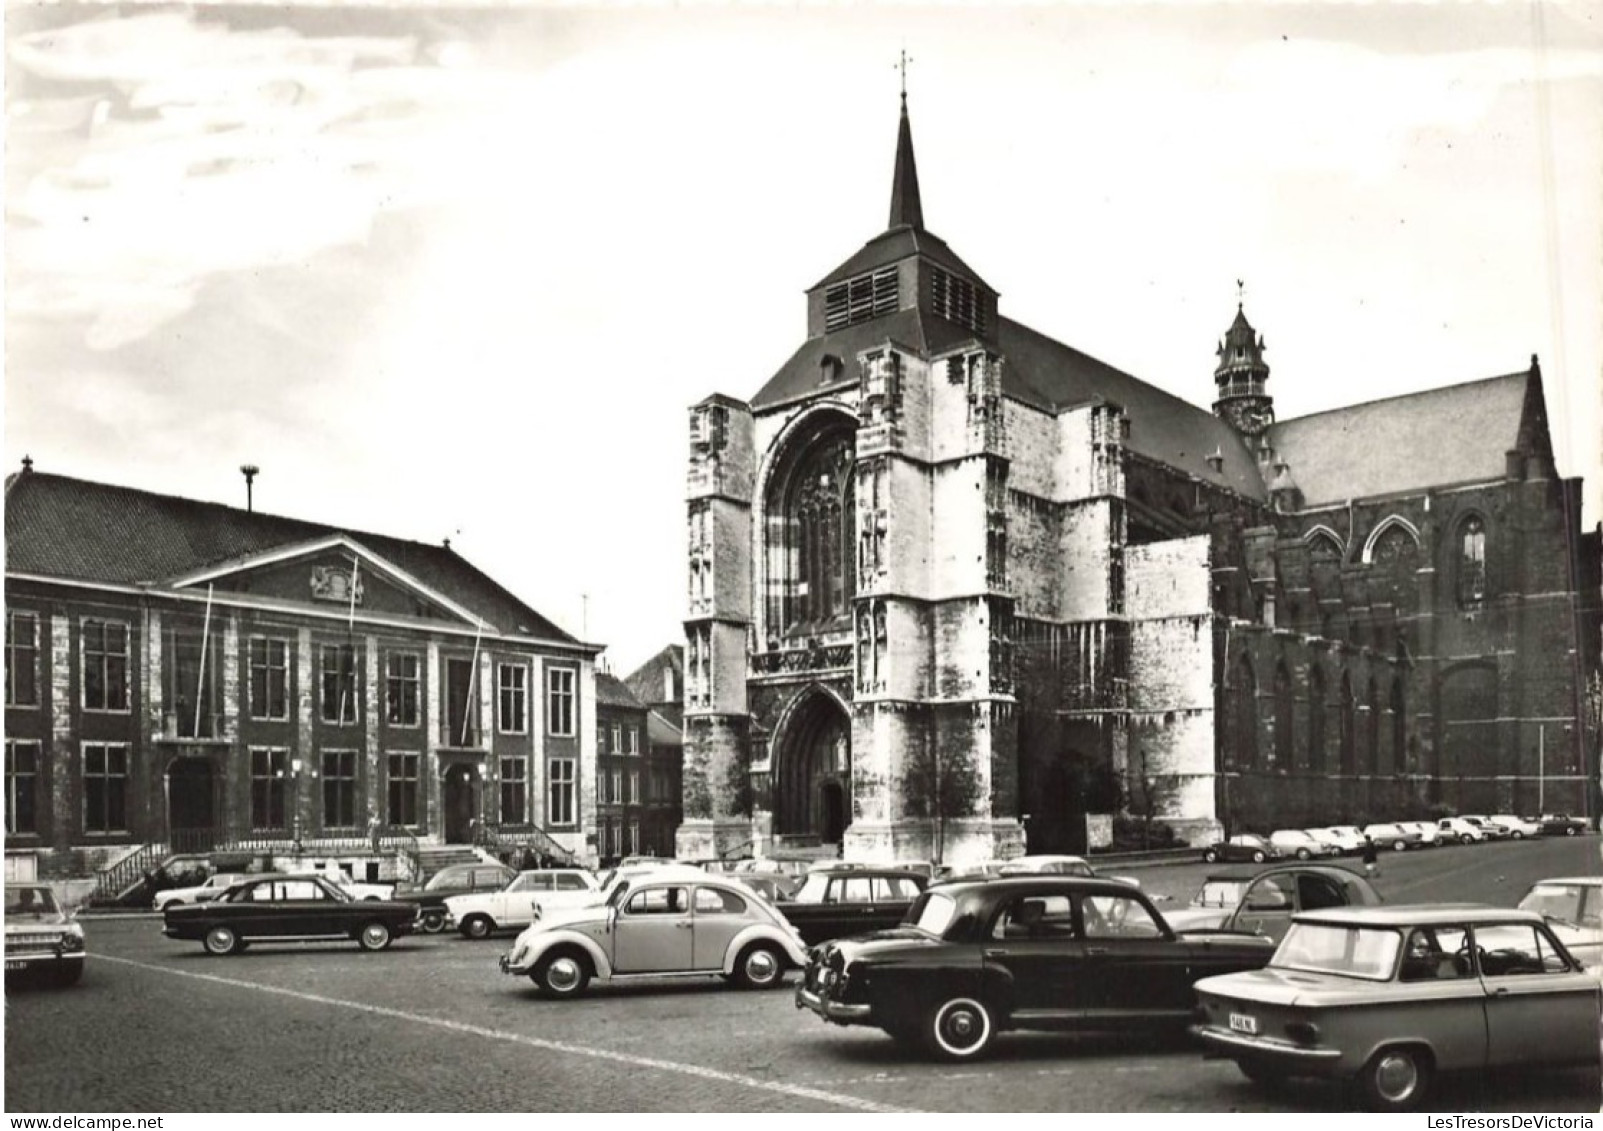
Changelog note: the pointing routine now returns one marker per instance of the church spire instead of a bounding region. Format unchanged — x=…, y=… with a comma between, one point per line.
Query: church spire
x=906, y=208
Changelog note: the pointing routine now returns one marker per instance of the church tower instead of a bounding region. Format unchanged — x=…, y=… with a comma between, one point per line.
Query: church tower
x=1241, y=377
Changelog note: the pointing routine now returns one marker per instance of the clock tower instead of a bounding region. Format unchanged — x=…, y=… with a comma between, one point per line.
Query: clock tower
x=1241, y=376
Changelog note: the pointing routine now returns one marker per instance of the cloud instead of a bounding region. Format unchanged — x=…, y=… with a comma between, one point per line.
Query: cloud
x=206, y=150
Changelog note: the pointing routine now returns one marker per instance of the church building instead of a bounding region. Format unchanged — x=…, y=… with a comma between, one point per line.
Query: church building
x=954, y=588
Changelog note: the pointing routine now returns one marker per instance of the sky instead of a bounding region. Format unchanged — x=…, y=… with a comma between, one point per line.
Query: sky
x=458, y=272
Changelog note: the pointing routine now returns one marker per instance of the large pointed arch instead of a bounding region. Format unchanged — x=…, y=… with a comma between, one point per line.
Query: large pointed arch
x=811, y=768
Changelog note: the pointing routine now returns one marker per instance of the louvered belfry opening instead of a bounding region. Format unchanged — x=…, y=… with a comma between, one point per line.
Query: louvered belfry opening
x=860, y=298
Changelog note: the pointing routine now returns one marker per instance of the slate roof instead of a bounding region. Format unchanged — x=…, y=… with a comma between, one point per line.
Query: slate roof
x=896, y=244
x=78, y=530
x=1457, y=434
x=662, y=730
x=646, y=682
x=1045, y=374
x=611, y=692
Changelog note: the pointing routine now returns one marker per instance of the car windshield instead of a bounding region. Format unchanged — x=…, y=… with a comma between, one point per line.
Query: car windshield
x=525, y=883
x=934, y=913
x=813, y=889
x=1350, y=952
x=1561, y=902
x=446, y=879
x=1220, y=893
x=31, y=903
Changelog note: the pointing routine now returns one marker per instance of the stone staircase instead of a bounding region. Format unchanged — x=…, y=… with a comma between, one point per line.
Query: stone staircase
x=432, y=858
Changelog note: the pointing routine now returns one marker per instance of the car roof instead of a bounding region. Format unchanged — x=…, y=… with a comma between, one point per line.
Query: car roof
x=859, y=871
x=1418, y=914
x=1252, y=872
x=1036, y=881
x=1588, y=881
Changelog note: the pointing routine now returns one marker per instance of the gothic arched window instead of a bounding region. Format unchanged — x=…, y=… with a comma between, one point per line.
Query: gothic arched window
x=1399, y=728
x=1471, y=561
x=1285, y=712
x=1316, y=720
x=1246, y=715
x=1372, y=728
x=809, y=542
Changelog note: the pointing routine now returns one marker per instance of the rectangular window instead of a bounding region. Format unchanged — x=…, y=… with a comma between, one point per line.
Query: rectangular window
x=631, y=740
x=341, y=691
x=617, y=738
x=269, y=788
x=269, y=678
x=617, y=788
x=22, y=659
x=562, y=777
x=633, y=796
x=105, y=665
x=601, y=739
x=514, y=791
x=403, y=694
x=559, y=701
x=634, y=838
x=403, y=788
x=22, y=787
x=105, y=787
x=513, y=684
x=461, y=703
x=339, y=789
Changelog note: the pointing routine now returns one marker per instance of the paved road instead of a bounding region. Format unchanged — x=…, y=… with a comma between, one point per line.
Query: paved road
x=431, y=1025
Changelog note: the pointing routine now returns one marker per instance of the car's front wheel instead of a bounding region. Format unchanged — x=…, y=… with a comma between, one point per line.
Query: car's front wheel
x=1395, y=1079
x=477, y=927
x=1258, y=856
x=1571, y=831
x=1209, y=856
x=433, y=922
x=562, y=973
x=220, y=941
x=1399, y=845
x=1303, y=854
x=959, y=1029
x=759, y=967
x=1465, y=838
x=374, y=936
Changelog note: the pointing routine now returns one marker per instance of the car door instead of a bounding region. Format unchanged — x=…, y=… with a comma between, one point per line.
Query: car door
x=307, y=907
x=653, y=931
x=1266, y=907
x=718, y=916
x=1540, y=1010
x=1131, y=966
x=1034, y=945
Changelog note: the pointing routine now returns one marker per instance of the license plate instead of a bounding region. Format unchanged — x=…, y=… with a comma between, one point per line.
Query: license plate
x=15, y=964
x=1244, y=1023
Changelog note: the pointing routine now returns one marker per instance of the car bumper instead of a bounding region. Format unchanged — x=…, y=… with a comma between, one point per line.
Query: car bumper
x=519, y=971
x=839, y=1012
x=1306, y=1059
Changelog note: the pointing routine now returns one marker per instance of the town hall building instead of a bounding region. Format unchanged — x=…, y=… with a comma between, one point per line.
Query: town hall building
x=955, y=587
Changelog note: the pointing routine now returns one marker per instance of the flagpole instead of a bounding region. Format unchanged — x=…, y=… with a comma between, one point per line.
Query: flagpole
x=200, y=678
x=350, y=641
x=473, y=675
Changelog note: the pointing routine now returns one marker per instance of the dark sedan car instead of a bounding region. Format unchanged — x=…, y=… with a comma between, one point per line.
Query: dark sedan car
x=1248, y=847
x=1561, y=824
x=457, y=879
x=1027, y=952
x=835, y=902
x=273, y=908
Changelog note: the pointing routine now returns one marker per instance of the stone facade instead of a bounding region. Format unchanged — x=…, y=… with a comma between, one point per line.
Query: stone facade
x=954, y=587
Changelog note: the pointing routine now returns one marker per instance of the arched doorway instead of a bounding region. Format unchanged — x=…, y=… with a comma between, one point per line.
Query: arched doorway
x=814, y=773
x=459, y=802
x=191, y=804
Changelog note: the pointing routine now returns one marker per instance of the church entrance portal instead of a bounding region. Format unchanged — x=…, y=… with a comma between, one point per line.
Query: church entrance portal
x=814, y=772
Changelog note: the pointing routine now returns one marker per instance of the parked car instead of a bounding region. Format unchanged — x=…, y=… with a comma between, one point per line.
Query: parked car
x=1263, y=901
x=1019, y=952
x=42, y=938
x=1347, y=839
x=1302, y=844
x=1429, y=835
x=478, y=915
x=1390, y=996
x=1518, y=827
x=273, y=907
x=850, y=901
x=1573, y=908
x=1491, y=831
x=454, y=879
x=774, y=889
x=1243, y=846
x=1391, y=835
x=214, y=886
x=664, y=924
x=357, y=889
x=1456, y=828
x=1046, y=866
x=1561, y=824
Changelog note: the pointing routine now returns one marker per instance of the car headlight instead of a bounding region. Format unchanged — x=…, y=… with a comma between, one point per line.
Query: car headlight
x=72, y=942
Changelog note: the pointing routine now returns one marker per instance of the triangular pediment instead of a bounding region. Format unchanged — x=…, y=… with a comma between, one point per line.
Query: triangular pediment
x=331, y=572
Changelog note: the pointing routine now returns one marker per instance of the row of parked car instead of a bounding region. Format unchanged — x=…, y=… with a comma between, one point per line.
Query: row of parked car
x=1350, y=840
